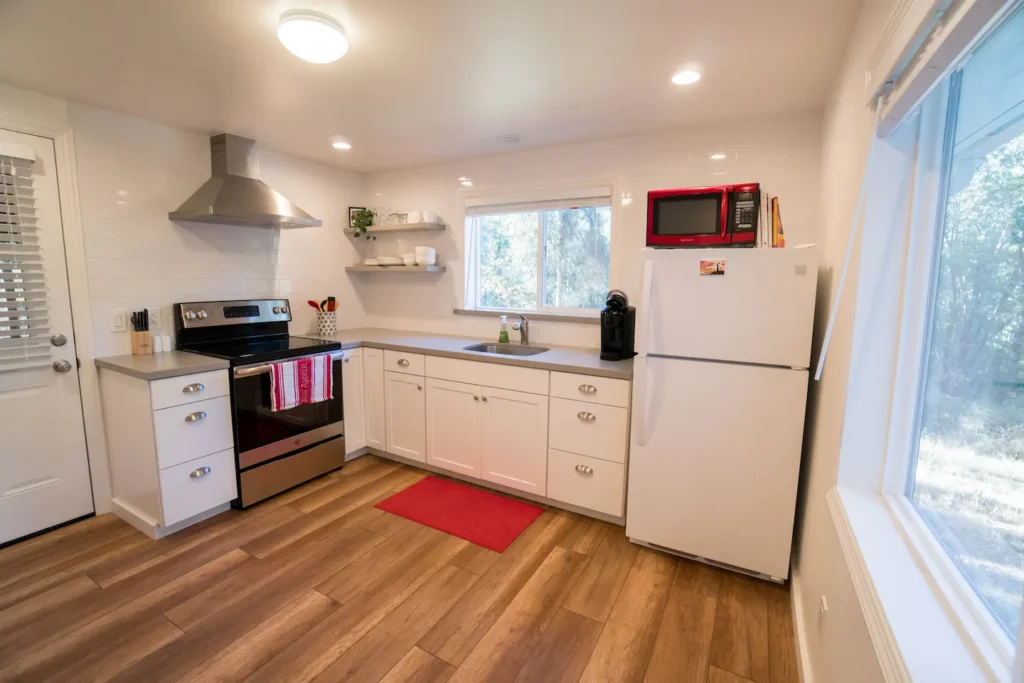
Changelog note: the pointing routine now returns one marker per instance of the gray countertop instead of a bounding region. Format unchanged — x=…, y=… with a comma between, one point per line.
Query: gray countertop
x=162, y=365
x=558, y=358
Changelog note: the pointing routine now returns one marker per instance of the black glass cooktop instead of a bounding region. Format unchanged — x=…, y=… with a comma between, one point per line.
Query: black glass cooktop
x=263, y=350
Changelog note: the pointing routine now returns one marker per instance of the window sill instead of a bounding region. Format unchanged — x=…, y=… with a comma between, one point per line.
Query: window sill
x=582, y=318
x=911, y=628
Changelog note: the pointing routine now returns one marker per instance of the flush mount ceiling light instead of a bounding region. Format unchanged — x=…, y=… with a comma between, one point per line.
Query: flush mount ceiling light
x=685, y=77
x=312, y=36
x=718, y=156
x=466, y=182
x=341, y=144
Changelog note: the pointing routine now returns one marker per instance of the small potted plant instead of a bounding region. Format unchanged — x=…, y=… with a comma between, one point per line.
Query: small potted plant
x=361, y=220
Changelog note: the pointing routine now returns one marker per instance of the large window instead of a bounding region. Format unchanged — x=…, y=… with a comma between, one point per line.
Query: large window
x=551, y=257
x=967, y=480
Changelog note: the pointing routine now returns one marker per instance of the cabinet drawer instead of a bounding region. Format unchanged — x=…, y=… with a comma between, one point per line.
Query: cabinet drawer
x=510, y=377
x=408, y=363
x=198, y=485
x=176, y=391
x=187, y=432
x=610, y=392
x=587, y=482
x=588, y=429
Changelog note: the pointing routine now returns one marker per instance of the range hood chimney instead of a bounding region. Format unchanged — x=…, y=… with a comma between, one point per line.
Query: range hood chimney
x=235, y=196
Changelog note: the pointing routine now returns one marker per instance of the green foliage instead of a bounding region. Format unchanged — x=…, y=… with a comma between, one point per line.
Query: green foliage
x=361, y=221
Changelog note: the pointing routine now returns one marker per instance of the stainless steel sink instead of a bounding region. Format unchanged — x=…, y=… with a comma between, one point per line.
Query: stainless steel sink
x=507, y=349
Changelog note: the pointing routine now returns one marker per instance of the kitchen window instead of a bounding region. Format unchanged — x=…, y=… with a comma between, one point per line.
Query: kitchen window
x=965, y=466
x=550, y=256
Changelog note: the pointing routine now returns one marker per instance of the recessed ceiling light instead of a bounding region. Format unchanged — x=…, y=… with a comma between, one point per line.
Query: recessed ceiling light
x=685, y=77
x=467, y=183
x=462, y=177
x=312, y=36
x=341, y=144
x=510, y=138
x=718, y=156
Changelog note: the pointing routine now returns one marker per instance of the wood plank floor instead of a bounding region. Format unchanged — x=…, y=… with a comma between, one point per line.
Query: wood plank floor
x=317, y=584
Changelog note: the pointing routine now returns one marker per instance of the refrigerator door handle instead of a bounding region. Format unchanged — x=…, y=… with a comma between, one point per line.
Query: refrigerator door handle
x=642, y=399
x=643, y=328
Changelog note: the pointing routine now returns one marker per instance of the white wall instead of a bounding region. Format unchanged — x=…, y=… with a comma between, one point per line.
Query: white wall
x=132, y=172
x=784, y=154
x=843, y=653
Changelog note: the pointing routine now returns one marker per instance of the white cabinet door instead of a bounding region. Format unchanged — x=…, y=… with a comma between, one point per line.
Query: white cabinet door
x=405, y=416
x=515, y=439
x=373, y=393
x=352, y=398
x=453, y=426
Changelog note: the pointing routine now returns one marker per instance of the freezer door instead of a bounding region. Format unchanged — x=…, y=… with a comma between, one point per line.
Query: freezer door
x=759, y=309
x=715, y=460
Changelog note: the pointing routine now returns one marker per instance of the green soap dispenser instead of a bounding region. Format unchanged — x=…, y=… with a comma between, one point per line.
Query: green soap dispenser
x=503, y=335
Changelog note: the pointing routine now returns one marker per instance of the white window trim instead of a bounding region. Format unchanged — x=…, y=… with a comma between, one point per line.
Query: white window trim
x=523, y=194
x=926, y=621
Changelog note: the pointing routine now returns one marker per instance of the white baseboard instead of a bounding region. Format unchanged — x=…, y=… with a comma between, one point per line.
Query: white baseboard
x=151, y=527
x=803, y=651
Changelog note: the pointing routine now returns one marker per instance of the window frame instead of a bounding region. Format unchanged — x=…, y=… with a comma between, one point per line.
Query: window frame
x=473, y=290
x=971, y=616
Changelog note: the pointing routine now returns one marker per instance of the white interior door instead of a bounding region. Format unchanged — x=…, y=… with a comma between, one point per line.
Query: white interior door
x=44, y=470
x=453, y=426
x=715, y=460
x=758, y=309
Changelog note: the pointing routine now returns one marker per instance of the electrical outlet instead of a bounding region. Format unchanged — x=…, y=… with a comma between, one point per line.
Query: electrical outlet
x=822, y=615
x=118, y=321
x=154, y=318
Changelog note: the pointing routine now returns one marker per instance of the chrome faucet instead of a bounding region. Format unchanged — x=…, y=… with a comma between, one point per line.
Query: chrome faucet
x=522, y=326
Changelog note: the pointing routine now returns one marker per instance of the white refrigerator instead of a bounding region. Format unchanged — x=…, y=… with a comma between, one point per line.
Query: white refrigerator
x=719, y=395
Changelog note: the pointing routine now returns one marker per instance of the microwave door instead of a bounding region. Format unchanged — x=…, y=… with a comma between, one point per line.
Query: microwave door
x=680, y=218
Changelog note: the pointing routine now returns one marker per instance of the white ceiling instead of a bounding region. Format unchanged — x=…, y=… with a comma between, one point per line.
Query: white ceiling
x=428, y=80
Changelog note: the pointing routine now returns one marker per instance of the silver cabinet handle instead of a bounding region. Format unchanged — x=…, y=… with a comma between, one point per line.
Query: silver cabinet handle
x=584, y=469
x=476, y=398
x=199, y=472
x=58, y=340
x=585, y=416
x=344, y=359
x=192, y=388
x=195, y=417
x=484, y=399
x=62, y=365
x=403, y=363
x=588, y=389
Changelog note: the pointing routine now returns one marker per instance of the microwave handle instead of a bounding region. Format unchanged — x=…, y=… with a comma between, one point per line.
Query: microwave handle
x=725, y=213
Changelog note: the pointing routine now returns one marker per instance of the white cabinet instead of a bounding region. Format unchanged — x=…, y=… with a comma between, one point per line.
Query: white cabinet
x=589, y=429
x=586, y=482
x=405, y=416
x=373, y=401
x=454, y=426
x=352, y=398
x=515, y=439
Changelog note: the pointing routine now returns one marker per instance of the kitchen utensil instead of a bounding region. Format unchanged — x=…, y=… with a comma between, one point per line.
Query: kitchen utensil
x=323, y=305
x=414, y=217
x=389, y=260
x=332, y=304
x=314, y=304
x=426, y=256
x=409, y=259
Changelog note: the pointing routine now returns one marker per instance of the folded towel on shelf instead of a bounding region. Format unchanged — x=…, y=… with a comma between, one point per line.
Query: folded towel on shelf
x=297, y=382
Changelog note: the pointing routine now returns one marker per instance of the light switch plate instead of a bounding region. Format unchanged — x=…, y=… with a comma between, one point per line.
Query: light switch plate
x=118, y=320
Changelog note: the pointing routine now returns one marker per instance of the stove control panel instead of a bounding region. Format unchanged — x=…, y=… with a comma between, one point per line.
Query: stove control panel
x=218, y=313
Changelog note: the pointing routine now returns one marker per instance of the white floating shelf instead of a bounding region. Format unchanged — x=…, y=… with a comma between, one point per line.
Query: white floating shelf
x=395, y=269
x=399, y=227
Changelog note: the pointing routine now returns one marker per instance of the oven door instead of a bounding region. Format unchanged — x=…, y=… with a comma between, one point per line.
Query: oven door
x=695, y=217
x=262, y=434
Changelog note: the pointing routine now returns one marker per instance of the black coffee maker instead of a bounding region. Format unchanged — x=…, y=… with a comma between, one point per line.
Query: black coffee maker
x=618, y=324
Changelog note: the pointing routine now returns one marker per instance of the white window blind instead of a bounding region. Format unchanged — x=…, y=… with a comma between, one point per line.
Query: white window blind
x=24, y=333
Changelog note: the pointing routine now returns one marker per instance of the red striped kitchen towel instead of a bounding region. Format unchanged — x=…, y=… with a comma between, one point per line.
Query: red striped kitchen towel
x=295, y=382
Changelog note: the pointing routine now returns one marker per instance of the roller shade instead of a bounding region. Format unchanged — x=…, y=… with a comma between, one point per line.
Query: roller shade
x=24, y=323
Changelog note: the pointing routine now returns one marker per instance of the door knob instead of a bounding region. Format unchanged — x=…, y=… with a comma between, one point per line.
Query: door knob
x=62, y=366
x=58, y=340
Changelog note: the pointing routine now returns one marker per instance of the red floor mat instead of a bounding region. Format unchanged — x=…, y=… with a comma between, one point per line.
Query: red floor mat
x=486, y=519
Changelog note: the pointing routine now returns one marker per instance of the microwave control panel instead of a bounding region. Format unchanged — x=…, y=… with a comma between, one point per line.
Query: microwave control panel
x=745, y=207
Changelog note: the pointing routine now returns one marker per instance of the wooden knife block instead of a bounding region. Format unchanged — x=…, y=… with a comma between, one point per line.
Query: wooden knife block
x=142, y=343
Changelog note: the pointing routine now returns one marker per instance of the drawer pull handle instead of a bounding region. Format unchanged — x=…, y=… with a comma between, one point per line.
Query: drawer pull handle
x=199, y=472
x=403, y=363
x=484, y=399
x=419, y=387
x=192, y=388
x=584, y=469
x=585, y=416
x=588, y=389
x=476, y=398
x=195, y=417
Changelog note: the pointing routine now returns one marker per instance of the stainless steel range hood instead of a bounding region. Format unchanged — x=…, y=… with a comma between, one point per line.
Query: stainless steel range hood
x=234, y=196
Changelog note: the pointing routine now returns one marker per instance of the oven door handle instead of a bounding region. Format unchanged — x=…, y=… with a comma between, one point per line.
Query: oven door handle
x=264, y=368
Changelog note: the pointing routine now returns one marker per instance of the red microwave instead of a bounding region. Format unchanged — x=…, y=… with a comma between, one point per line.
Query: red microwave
x=720, y=216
